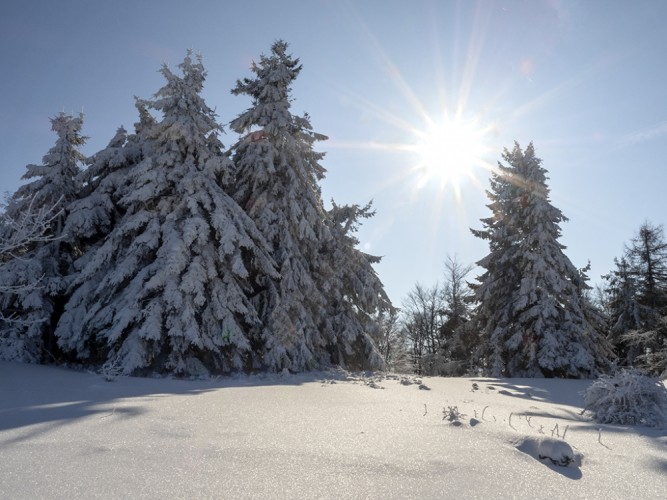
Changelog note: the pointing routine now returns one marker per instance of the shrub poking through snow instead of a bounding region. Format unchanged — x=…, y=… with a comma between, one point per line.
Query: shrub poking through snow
x=452, y=414
x=629, y=398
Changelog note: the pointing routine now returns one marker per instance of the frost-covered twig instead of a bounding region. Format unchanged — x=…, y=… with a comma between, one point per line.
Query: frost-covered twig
x=17, y=234
x=110, y=414
x=600, y=438
x=112, y=368
x=15, y=319
x=32, y=226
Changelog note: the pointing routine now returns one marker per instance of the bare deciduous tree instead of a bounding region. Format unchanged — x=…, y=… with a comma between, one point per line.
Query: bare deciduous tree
x=423, y=317
x=19, y=234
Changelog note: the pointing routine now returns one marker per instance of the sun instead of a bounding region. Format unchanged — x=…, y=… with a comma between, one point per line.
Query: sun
x=450, y=150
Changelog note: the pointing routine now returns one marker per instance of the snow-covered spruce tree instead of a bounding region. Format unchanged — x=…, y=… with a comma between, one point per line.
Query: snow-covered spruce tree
x=39, y=273
x=493, y=315
x=90, y=220
x=357, y=297
x=91, y=216
x=183, y=258
x=106, y=181
x=277, y=175
x=530, y=307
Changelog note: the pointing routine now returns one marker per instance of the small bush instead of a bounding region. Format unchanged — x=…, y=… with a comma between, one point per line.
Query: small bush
x=628, y=397
x=452, y=414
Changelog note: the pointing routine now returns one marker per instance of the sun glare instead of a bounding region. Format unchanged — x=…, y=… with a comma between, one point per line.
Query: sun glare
x=450, y=151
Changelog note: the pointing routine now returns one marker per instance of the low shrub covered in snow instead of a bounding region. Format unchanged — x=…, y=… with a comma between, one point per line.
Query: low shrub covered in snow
x=628, y=397
x=452, y=414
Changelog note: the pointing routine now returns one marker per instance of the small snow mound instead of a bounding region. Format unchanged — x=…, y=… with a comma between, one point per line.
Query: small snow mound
x=544, y=448
x=559, y=452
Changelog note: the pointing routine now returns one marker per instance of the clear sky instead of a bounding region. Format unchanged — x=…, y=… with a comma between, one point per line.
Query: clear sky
x=584, y=80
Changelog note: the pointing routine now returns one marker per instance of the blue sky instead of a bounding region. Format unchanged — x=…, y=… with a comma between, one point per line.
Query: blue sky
x=583, y=80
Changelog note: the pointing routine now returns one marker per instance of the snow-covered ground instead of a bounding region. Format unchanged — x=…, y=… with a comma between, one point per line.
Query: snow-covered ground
x=67, y=434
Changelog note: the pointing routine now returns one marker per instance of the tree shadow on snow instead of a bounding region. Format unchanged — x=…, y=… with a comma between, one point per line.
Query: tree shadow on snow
x=565, y=392
x=36, y=394
x=657, y=437
x=548, y=390
x=659, y=464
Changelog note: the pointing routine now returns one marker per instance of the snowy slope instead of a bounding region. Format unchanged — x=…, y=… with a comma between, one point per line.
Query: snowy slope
x=66, y=434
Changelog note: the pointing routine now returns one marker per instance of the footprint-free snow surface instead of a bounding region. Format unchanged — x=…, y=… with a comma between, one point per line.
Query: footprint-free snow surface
x=68, y=434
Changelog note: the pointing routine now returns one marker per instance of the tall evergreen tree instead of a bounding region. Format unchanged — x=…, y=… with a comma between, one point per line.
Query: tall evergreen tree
x=92, y=215
x=277, y=175
x=106, y=180
x=357, y=297
x=39, y=275
x=184, y=257
x=493, y=315
x=530, y=307
x=91, y=218
x=648, y=254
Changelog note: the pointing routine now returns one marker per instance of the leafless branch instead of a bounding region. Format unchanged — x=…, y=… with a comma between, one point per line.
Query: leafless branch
x=30, y=227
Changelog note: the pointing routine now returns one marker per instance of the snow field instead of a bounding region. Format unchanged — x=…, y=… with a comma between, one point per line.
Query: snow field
x=68, y=434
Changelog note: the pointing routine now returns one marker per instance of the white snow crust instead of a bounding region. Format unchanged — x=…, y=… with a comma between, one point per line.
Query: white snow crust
x=69, y=434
